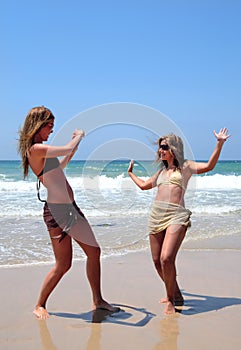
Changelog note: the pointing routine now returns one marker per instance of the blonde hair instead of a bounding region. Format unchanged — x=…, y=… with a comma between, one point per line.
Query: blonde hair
x=36, y=118
x=176, y=147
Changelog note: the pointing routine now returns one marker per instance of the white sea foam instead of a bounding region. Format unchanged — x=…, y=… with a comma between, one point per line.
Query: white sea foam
x=17, y=186
x=217, y=181
x=108, y=196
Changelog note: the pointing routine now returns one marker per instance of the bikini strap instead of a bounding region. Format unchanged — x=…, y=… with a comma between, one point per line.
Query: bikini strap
x=38, y=184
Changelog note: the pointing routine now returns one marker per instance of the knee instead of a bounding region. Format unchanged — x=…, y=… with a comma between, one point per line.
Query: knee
x=157, y=262
x=67, y=267
x=166, y=261
x=63, y=267
x=94, y=253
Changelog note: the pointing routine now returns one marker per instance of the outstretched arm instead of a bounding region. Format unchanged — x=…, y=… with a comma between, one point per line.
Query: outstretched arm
x=199, y=168
x=143, y=185
x=78, y=135
x=41, y=150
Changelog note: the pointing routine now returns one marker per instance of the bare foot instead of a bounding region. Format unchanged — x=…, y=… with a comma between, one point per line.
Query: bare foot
x=169, y=309
x=106, y=306
x=178, y=300
x=41, y=313
x=163, y=300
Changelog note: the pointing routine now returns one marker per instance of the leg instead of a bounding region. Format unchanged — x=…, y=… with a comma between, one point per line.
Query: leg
x=84, y=236
x=63, y=258
x=171, y=244
x=93, y=272
x=156, y=243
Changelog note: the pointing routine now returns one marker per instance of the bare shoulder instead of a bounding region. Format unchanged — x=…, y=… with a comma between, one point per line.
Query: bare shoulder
x=38, y=149
x=39, y=146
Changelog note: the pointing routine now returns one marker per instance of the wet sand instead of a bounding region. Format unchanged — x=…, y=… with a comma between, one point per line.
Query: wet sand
x=210, y=318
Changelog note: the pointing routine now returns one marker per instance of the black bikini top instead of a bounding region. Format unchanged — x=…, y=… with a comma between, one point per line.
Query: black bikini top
x=50, y=164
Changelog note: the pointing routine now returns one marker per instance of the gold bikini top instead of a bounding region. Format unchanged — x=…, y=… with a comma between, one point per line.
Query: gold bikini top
x=174, y=179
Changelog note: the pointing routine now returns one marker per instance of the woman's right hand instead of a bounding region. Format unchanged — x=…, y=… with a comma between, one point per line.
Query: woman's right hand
x=131, y=165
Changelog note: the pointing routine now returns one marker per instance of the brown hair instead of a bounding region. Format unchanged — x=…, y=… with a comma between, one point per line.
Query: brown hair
x=176, y=147
x=36, y=118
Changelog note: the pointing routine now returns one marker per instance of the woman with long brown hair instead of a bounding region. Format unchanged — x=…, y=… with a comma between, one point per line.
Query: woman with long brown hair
x=63, y=218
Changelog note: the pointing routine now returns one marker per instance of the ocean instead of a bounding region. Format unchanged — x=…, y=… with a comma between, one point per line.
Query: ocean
x=116, y=209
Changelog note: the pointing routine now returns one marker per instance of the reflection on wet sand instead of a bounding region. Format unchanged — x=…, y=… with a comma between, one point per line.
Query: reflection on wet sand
x=169, y=331
x=45, y=336
x=127, y=316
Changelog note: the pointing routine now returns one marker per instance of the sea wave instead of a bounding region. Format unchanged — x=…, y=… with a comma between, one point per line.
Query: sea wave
x=216, y=181
x=108, y=196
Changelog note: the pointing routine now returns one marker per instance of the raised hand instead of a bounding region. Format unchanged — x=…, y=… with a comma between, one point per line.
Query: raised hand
x=78, y=132
x=131, y=165
x=222, y=135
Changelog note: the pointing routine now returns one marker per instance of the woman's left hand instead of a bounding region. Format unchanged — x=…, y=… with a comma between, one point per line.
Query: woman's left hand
x=222, y=135
x=78, y=132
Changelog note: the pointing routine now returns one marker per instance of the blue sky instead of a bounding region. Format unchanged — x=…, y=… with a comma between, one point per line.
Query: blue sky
x=182, y=58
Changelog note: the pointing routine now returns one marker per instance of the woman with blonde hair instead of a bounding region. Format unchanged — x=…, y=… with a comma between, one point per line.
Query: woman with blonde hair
x=169, y=219
x=63, y=218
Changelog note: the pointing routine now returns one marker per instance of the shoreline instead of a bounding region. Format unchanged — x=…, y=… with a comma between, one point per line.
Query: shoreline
x=210, y=317
x=214, y=244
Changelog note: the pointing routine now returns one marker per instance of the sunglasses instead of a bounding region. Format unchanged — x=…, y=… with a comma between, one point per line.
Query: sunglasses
x=164, y=147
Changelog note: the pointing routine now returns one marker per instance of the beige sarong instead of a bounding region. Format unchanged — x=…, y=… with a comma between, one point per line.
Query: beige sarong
x=164, y=214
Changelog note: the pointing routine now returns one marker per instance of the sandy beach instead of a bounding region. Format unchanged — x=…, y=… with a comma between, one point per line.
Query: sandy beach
x=209, y=319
